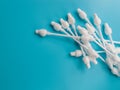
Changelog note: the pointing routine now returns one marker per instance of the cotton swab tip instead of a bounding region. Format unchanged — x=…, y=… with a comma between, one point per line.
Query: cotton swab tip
x=71, y=19
x=64, y=23
x=41, y=32
x=108, y=30
x=52, y=23
x=97, y=20
x=81, y=13
x=56, y=26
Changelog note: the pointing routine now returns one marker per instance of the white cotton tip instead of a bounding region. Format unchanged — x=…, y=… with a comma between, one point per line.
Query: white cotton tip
x=85, y=39
x=97, y=20
x=117, y=50
x=76, y=53
x=108, y=30
x=92, y=53
x=82, y=30
x=90, y=28
x=116, y=58
x=72, y=53
x=116, y=72
x=94, y=61
x=71, y=19
x=41, y=32
x=88, y=65
x=86, y=61
x=64, y=23
x=56, y=26
x=81, y=13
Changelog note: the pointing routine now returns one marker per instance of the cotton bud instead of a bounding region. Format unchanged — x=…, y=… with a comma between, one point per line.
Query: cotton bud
x=42, y=32
x=97, y=20
x=82, y=30
x=64, y=23
x=82, y=14
x=86, y=60
x=90, y=28
x=56, y=26
x=76, y=53
x=71, y=19
x=108, y=30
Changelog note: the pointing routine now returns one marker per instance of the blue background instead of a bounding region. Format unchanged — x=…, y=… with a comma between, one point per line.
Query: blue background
x=28, y=62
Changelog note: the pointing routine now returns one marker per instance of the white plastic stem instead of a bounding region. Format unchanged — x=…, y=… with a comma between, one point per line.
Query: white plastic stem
x=62, y=35
x=101, y=58
x=70, y=31
x=97, y=38
x=100, y=51
x=75, y=31
x=101, y=36
x=116, y=42
x=111, y=40
x=83, y=51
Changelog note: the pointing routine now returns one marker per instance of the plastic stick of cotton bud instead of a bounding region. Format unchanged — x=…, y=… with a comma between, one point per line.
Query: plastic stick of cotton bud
x=44, y=32
x=58, y=27
x=65, y=25
x=108, y=31
x=100, y=51
x=97, y=22
x=115, y=42
x=71, y=21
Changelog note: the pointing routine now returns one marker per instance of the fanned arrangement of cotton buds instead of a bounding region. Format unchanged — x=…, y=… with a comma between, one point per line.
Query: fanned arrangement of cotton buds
x=83, y=36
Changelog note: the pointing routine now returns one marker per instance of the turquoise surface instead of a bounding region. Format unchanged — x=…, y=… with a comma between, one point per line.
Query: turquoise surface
x=28, y=62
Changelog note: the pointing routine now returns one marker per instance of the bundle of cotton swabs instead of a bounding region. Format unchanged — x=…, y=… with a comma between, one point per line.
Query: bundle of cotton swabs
x=83, y=36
